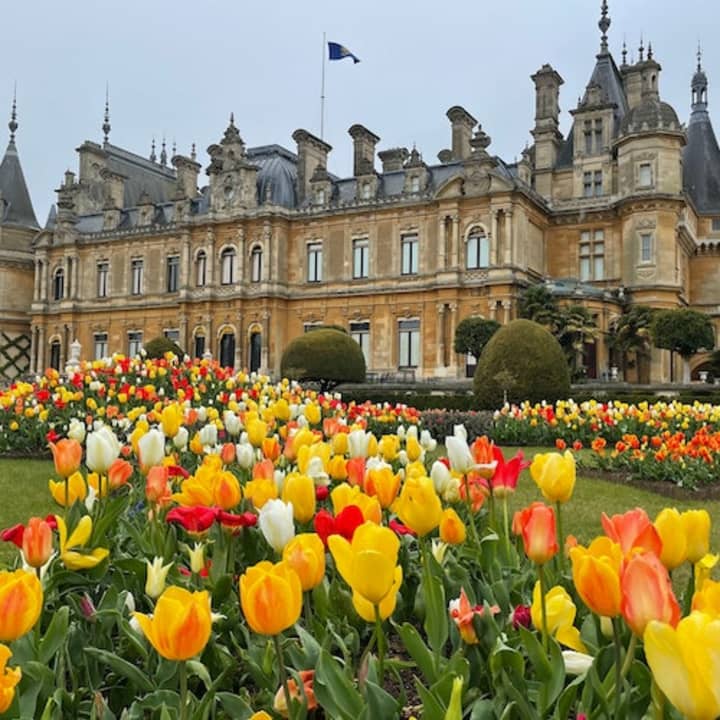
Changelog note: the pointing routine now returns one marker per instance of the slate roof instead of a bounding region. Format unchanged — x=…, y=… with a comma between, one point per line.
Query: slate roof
x=650, y=115
x=277, y=173
x=701, y=163
x=16, y=207
x=142, y=175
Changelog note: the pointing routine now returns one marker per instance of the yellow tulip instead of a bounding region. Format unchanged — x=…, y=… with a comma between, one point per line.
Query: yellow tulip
x=260, y=491
x=367, y=564
x=344, y=495
x=670, y=526
x=413, y=448
x=305, y=453
x=21, y=601
x=9, y=678
x=703, y=568
x=419, y=506
x=337, y=467
x=72, y=559
x=171, y=419
x=180, y=626
x=389, y=447
x=382, y=483
x=340, y=443
x=300, y=491
x=313, y=413
x=554, y=474
x=366, y=610
x=685, y=663
x=561, y=612
x=271, y=597
x=257, y=431
x=707, y=598
x=305, y=554
x=696, y=524
x=76, y=490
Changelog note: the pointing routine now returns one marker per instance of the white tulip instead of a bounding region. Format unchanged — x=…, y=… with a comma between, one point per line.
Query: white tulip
x=403, y=458
x=576, y=663
x=447, y=486
x=232, y=423
x=76, y=430
x=245, y=455
x=197, y=557
x=461, y=459
x=401, y=432
x=151, y=448
x=279, y=479
x=427, y=441
x=316, y=470
x=103, y=449
x=156, y=576
x=302, y=422
x=180, y=440
x=209, y=434
x=460, y=431
x=276, y=523
x=90, y=499
x=202, y=414
x=358, y=441
x=438, y=550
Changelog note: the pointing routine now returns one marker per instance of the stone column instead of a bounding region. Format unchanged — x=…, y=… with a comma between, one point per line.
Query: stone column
x=507, y=305
x=41, y=350
x=36, y=281
x=238, y=343
x=183, y=334
x=241, y=255
x=265, y=349
x=33, y=348
x=212, y=259
x=186, y=269
x=440, y=340
x=455, y=245
x=453, y=324
x=492, y=309
x=76, y=277
x=494, y=239
x=209, y=345
x=68, y=272
x=441, y=245
x=44, y=265
x=508, y=237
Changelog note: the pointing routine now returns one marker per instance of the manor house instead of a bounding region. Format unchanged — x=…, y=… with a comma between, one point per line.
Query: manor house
x=625, y=209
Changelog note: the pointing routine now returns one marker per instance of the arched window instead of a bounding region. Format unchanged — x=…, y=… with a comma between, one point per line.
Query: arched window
x=227, y=349
x=58, y=284
x=199, y=344
x=201, y=269
x=255, y=349
x=227, y=266
x=55, y=355
x=256, y=264
x=478, y=249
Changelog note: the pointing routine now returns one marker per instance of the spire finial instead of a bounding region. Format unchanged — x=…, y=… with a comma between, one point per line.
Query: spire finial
x=13, y=125
x=232, y=118
x=604, y=25
x=193, y=153
x=153, y=156
x=699, y=57
x=624, y=52
x=650, y=51
x=106, y=127
x=163, y=153
x=641, y=50
x=174, y=148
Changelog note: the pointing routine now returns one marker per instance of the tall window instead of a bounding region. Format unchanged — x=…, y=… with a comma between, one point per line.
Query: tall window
x=134, y=342
x=136, y=277
x=101, y=345
x=173, y=273
x=314, y=262
x=173, y=335
x=360, y=258
x=646, y=248
x=409, y=254
x=598, y=182
x=645, y=175
x=360, y=333
x=227, y=266
x=592, y=183
x=588, y=137
x=310, y=326
x=478, y=250
x=55, y=355
x=58, y=284
x=199, y=345
x=414, y=184
x=201, y=269
x=716, y=225
x=598, y=135
x=409, y=343
x=256, y=264
x=592, y=255
x=227, y=349
x=103, y=268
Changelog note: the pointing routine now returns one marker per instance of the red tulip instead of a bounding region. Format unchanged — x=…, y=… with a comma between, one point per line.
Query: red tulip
x=196, y=519
x=345, y=524
x=505, y=478
x=536, y=524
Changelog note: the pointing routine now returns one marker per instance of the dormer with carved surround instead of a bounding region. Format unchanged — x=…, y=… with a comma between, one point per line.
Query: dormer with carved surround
x=320, y=187
x=416, y=174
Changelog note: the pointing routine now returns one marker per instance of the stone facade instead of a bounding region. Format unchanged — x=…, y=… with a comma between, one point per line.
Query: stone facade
x=398, y=255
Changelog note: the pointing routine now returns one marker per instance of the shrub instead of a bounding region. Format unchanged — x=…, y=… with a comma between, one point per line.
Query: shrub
x=522, y=361
x=326, y=356
x=158, y=346
x=473, y=334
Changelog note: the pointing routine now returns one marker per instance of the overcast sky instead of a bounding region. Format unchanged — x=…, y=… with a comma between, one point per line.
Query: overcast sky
x=179, y=68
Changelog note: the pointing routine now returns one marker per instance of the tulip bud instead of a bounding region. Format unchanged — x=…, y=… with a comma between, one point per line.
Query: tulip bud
x=521, y=617
x=37, y=542
x=276, y=523
x=156, y=576
x=76, y=430
x=438, y=550
x=576, y=663
x=197, y=557
x=232, y=423
x=87, y=607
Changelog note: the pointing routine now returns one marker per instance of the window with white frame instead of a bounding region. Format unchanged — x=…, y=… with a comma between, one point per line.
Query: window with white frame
x=365, y=191
x=408, y=343
x=227, y=266
x=58, y=284
x=361, y=258
x=414, y=184
x=136, y=276
x=173, y=273
x=134, y=342
x=646, y=247
x=172, y=334
x=103, y=276
x=360, y=333
x=201, y=269
x=592, y=255
x=716, y=225
x=409, y=254
x=320, y=196
x=256, y=260
x=477, y=249
x=101, y=345
x=310, y=326
x=314, y=262
x=592, y=183
x=645, y=175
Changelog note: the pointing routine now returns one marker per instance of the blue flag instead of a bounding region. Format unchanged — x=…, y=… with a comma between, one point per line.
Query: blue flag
x=338, y=52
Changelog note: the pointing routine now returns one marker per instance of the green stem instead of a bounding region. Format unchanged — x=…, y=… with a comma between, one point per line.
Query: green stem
x=560, y=538
x=67, y=495
x=618, y=664
x=506, y=523
x=629, y=657
x=381, y=645
x=689, y=592
x=471, y=515
x=543, y=606
x=307, y=611
x=491, y=507
x=366, y=652
x=284, y=677
x=183, y=691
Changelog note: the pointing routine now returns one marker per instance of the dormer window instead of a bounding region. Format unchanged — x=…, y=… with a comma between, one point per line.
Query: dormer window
x=414, y=184
x=716, y=225
x=365, y=191
x=320, y=196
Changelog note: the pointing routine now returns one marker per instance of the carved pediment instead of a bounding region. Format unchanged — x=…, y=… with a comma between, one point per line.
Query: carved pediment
x=452, y=188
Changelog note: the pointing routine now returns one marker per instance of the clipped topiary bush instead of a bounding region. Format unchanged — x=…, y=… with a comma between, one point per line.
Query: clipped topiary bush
x=158, y=346
x=326, y=356
x=522, y=361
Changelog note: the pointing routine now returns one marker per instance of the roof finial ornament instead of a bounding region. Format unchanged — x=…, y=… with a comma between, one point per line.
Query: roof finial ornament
x=174, y=148
x=232, y=118
x=153, y=156
x=106, y=127
x=604, y=26
x=641, y=50
x=193, y=152
x=624, y=52
x=650, y=51
x=13, y=125
x=163, y=153
x=699, y=57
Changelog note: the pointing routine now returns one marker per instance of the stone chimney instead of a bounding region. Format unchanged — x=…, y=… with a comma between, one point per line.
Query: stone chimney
x=393, y=159
x=462, y=124
x=364, y=143
x=311, y=152
x=187, y=175
x=114, y=187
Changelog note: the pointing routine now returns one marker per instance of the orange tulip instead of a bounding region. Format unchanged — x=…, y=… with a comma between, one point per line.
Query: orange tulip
x=37, y=542
x=271, y=449
x=633, y=530
x=462, y=613
x=452, y=528
x=271, y=597
x=383, y=484
x=596, y=574
x=263, y=470
x=307, y=695
x=67, y=455
x=227, y=453
x=21, y=601
x=157, y=486
x=647, y=593
x=536, y=524
x=356, y=471
x=305, y=554
x=119, y=473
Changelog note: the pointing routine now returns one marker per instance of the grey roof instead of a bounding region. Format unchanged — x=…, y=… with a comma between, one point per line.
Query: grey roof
x=650, y=115
x=277, y=174
x=51, y=218
x=142, y=175
x=16, y=207
x=567, y=287
x=701, y=163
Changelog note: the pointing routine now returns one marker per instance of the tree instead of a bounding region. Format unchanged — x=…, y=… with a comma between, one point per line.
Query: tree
x=576, y=328
x=684, y=332
x=632, y=333
x=538, y=304
x=158, y=346
x=472, y=335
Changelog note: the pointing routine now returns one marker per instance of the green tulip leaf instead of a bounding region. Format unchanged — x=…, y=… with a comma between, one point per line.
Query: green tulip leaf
x=418, y=651
x=55, y=635
x=122, y=667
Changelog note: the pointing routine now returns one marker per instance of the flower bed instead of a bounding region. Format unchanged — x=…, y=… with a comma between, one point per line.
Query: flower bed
x=228, y=548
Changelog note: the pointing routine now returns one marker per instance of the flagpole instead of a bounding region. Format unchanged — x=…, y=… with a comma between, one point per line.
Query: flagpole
x=322, y=92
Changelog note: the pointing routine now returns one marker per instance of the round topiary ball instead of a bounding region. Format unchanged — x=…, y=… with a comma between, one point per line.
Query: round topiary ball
x=525, y=361
x=326, y=355
x=158, y=346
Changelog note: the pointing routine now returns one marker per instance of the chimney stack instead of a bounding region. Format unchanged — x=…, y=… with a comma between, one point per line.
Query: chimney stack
x=393, y=159
x=462, y=123
x=364, y=143
x=311, y=152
